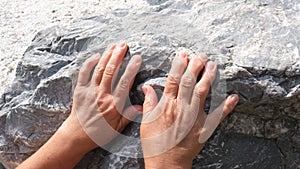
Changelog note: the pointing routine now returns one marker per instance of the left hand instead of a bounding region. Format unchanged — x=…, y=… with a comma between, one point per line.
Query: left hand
x=98, y=112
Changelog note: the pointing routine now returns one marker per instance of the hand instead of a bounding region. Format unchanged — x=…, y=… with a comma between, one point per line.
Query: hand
x=97, y=114
x=174, y=130
x=98, y=106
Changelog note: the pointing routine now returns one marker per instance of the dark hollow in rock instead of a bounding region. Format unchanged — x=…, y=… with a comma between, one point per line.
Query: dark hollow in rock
x=256, y=46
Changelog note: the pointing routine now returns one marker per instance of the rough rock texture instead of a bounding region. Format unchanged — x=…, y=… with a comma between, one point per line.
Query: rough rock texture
x=256, y=44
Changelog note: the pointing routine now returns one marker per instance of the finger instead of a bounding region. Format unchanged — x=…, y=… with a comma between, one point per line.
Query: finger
x=86, y=69
x=111, y=67
x=129, y=114
x=178, y=66
x=99, y=70
x=151, y=98
x=214, y=119
x=189, y=78
x=122, y=90
x=202, y=87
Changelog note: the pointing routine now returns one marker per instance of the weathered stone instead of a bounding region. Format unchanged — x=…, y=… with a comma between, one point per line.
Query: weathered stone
x=256, y=45
x=253, y=153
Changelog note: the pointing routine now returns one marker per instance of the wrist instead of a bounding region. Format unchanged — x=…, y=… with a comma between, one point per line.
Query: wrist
x=163, y=165
x=168, y=161
x=63, y=150
x=72, y=132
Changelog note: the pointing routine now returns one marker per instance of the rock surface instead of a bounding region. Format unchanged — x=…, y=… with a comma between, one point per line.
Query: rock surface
x=256, y=45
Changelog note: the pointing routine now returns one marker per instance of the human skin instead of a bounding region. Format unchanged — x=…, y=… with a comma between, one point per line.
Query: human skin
x=94, y=101
x=175, y=129
x=98, y=113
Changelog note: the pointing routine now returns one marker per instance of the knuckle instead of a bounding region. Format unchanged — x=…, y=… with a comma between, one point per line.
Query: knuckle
x=110, y=69
x=100, y=69
x=104, y=102
x=174, y=78
x=197, y=94
x=147, y=103
x=124, y=83
x=169, y=91
x=100, y=100
x=200, y=91
x=187, y=81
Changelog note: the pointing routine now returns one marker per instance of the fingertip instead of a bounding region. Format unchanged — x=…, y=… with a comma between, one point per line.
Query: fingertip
x=98, y=57
x=113, y=47
x=211, y=66
x=200, y=59
x=151, y=98
x=145, y=90
x=183, y=55
x=203, y=57
x=139, y=108
x=122, y=44
x=230, y=103
x=233, y=99
x=137, y=59
x=110, y=50
x=137, y=56
x=86, y=69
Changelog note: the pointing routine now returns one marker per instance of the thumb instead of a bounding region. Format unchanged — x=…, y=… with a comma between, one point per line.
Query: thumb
x=151, y=98
x=214, y=119
x=129, y=114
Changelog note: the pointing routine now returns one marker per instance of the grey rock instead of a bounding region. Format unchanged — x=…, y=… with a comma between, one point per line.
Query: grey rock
x=255, y=43
x=254, y=153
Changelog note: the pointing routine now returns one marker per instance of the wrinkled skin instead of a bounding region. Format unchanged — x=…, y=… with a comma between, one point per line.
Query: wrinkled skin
x=175, y=129
x=97, y=104
x=98, y=113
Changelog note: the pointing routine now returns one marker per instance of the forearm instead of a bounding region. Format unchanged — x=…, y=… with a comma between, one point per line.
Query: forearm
x=63, y=150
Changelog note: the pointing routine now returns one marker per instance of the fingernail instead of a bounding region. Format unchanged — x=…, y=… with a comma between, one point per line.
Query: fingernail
x=137, y=59
x=145, y=90
x=234, y=98
x=203, y=57
x=149, y=97
x=211, y=66
x=112, y=47
x=182, y=54
x=122, y=45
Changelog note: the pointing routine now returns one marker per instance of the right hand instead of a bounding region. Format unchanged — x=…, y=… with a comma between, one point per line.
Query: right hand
x=175, y=130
